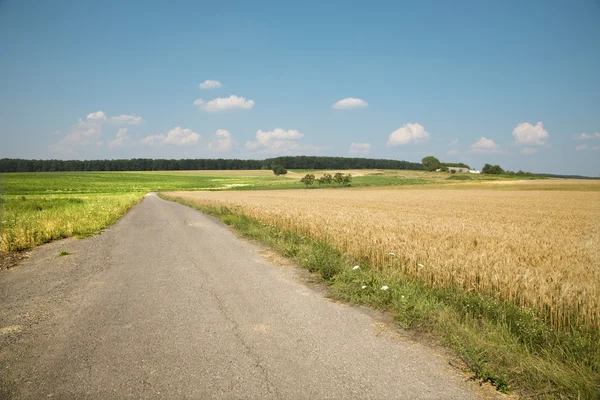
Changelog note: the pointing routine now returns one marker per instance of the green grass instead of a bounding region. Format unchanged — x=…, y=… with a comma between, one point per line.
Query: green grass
x=510, y=347
x=459, y=177
x=121, y=182
x=41, y=207
x=28, y=221
x=37, y=208
x=358, y=181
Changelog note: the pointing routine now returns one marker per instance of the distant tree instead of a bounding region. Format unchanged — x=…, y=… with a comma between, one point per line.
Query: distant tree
x=492, y=169
x=430, y=163
x=347, y=179
x=338, y=178
x=279, y=170
x=308, y=180
x=458, y=165
x=327, y=178
x=444, y=168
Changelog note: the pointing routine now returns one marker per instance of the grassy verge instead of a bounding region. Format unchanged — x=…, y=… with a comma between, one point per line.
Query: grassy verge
x=36, y=208
x=510, y=347
x=28, y=221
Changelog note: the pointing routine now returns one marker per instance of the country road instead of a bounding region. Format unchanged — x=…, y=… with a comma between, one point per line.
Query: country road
x=169, y=303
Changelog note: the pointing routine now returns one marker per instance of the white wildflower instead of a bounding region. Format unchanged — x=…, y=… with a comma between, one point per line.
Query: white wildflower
x=384, y=287
x=356, y=267
x=363, y=286
x=421, y=265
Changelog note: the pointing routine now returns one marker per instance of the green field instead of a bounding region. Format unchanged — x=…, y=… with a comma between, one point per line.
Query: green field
x=41, y=207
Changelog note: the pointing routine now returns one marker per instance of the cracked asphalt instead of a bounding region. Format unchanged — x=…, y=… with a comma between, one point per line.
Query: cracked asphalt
x=169, y=303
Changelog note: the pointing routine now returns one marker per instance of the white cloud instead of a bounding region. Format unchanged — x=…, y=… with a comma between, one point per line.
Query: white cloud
x=120, y=140
x=452, y=152
x=87, y=131
x=528, y=150
x=153, y=140
x=222, y=141
x=360, y=148
x=349, y=103
x=209, y=84
x=453, y=143
x=84, y=133
x=585, y=136
x=485, y=145
x=98, y=115
x=177, y=136
x=276, y=141
x=180, y=136
x=586, y=147
x=232, y=102
x=125, y=119
x=408, y=133
x=526, y=133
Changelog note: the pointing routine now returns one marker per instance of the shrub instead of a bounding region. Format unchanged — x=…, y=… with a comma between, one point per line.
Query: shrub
x=308, y=180
x=346, y=179
x=338, y=178
x=325, y=179
x=279, y=170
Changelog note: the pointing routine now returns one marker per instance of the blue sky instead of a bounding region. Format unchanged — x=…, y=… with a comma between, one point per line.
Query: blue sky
x=514, y=83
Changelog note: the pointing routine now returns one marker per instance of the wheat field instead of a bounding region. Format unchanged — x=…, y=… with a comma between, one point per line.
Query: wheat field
x=537, y=249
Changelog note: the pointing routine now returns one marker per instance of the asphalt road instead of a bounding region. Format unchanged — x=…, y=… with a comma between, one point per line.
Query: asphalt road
x=169, y=303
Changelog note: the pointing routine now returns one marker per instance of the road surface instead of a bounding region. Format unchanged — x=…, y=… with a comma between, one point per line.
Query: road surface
x=169, y=303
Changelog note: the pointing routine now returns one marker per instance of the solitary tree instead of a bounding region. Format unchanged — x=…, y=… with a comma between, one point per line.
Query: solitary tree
x=492, y=169
x=279, y=170
x=430, y=163
x=308, y=180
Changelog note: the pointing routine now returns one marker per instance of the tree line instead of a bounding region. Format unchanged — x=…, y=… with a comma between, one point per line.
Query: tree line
x=313, y=162
x=148, y=164
x=430, y=163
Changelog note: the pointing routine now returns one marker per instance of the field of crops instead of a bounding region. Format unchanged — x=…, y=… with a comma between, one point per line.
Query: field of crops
x=506, y=271
x=534, y=249
x=39, y=207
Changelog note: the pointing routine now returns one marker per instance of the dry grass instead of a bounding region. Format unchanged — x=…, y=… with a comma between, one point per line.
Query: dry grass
x=538, y=249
